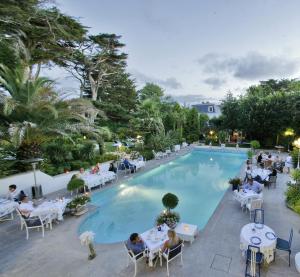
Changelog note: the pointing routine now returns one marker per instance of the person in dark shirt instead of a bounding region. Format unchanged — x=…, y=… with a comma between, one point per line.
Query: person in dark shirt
x=136, y=244
x=112, y=168
x=259, y=158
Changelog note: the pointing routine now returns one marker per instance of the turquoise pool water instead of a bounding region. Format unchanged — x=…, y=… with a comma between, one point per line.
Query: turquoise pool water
x=199, y=179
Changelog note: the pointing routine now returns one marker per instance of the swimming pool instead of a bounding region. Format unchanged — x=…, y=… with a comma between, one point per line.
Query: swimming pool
x=199, y=179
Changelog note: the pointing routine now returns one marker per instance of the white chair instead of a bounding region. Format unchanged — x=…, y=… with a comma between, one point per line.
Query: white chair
x=134, y=258
x=254, y=203
x=35, y=222
x=171, y=254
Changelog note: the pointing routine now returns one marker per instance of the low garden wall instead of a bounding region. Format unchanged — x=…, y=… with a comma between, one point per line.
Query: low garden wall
x=25, y=181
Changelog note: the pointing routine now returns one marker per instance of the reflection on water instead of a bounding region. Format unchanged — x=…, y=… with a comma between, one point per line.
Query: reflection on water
x=199, y=179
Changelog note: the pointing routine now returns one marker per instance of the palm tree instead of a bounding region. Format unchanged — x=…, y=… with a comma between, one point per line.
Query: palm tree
x=33, y=111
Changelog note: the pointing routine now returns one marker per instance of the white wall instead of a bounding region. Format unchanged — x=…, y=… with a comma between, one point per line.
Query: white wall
x=24, y=181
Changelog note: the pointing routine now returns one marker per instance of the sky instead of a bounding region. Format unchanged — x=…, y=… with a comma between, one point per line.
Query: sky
x=197, y=49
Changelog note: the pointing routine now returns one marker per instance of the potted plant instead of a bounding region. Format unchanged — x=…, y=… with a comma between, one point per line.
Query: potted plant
x=235, y=182
x=75, y=183
x=78, y=205
x=170, y=201
x=255, y=145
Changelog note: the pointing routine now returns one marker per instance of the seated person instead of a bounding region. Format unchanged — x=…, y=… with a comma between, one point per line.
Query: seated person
x=248, y=173
x=252, y=185
x=112, y=168
x=172, y=241
x=97, y=167
x=14, y=194
x=26, y=206
x=81, y=172
x=129, y=165
x=259, y=158
x=136, y=244
x=278, y=164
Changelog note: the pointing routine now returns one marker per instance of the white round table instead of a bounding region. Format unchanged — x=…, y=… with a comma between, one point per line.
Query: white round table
x=266, y=241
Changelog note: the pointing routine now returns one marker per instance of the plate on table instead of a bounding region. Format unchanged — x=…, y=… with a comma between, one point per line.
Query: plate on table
x=270, y=236
x=255, y=240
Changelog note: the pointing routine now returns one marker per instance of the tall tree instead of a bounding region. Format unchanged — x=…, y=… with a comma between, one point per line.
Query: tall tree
x=151, y=91
x=94, y=61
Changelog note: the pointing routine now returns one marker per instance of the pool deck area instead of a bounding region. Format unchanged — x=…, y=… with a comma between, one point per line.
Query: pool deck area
x=214, y=253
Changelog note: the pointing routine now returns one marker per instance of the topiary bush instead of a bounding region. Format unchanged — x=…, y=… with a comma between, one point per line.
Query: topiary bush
x=170, y=201
x=255, y=144
x=75, y=183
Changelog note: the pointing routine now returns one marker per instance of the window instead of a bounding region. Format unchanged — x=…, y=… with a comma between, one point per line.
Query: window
x=210, y=109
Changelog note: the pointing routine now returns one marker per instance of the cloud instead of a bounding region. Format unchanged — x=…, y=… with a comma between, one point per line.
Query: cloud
x=252, y=66
x=214, y=82
x=167, y=83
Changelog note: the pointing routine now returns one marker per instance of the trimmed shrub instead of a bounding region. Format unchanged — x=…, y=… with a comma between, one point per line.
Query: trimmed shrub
x=75, y=183
x=170, y=201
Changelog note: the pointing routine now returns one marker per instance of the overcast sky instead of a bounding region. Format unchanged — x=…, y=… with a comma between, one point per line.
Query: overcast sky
x=201, y=48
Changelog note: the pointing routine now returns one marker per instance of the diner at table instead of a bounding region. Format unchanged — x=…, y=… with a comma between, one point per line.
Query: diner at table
x=259, y=235
x=154, y=240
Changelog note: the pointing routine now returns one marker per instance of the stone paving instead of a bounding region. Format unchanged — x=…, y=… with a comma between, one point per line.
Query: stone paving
x=215, y=253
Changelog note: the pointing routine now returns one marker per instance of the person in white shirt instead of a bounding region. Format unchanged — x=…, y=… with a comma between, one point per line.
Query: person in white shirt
x=13, y=193
x=253, y=185
x=288, y=163
x=26, y=206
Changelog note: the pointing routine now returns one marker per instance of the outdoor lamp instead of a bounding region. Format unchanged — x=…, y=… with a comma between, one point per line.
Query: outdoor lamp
x=289, y=133
x=297, y=144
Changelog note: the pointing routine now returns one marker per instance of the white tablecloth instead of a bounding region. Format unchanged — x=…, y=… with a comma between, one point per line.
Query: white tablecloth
x=54, y=208
x=7, y=207
x=92, y=180
x=262, y=173
x=267, y=246
x=244, y=195
x=138, y=164
x=155, y=240
x=186, y=232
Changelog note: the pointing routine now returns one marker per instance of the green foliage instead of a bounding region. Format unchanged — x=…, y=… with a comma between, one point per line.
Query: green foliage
x=150, y=91
x=222, y=135
x=78, y=201
x=170, y=201
x=235, y=181
x=250, y=154
x=192, y=126
x=87, y=151
x=75, y=183
x=147, y=154
x=296, y=175
x=255, y=144
x=294, y=155
x=170, y=218
x=292, y=195
x=265, y=111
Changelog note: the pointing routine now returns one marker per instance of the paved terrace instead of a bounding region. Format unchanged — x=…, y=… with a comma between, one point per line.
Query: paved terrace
x=214, y=253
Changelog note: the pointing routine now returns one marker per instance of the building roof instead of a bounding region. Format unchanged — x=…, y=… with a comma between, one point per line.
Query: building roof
x=211, y=109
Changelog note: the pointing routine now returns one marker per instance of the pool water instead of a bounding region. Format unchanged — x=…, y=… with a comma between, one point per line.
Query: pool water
x=199, y=179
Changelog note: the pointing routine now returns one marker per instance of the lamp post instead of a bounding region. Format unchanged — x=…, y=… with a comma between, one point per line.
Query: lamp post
x=36, y=189
x=297, y=144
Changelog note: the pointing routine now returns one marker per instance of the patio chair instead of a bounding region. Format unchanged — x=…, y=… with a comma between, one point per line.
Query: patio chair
x=35, y=222
x=135, y=258
x=172, y=254
x=259, y=217
x=285, y=245
x=253, y=204
x=253, y=257
x=272, y=181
